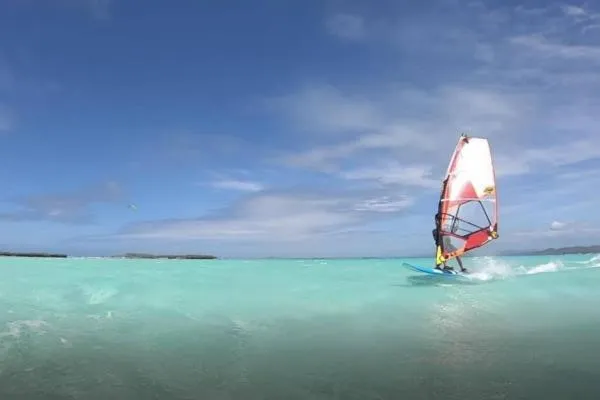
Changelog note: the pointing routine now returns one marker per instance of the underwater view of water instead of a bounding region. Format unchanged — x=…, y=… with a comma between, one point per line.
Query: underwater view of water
x=518, y=328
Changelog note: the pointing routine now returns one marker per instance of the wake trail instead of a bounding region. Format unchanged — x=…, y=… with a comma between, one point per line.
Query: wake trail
x=489, y=268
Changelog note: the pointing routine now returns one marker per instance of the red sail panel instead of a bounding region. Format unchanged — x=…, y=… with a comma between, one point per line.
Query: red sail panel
x=468, y=208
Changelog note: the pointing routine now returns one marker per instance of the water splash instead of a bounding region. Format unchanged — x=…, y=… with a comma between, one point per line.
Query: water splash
x=488, y=268
x=15, y=328
x=551, y=266
x=594, y=261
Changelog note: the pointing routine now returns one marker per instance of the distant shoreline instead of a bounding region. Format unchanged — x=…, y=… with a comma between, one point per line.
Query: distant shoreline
x=557, y=251
x=32, y=254
x=126, y=255
x=546, y=252
x=167, y=256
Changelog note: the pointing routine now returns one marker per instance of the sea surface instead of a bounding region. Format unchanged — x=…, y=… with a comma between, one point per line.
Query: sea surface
x=367, y=329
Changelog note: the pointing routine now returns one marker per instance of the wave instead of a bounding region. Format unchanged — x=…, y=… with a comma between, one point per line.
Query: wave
x=489, y=268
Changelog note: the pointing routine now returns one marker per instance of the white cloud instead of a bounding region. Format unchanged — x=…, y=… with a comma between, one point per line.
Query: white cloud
x=587, y=19
x=563, y=195
x=532, y=90
x=540, y=44
x=386, y=138
x=573, y=10
x=589, y=177
x=325, y=109
x=384, y=204
x=393, y=173
x=557, y=225
x=244, y=186
x=70, y=207
x=346, y=26
x=559, y=230
x=449, y=110
x=507, y=165
x=276, y=217
x=570, y=151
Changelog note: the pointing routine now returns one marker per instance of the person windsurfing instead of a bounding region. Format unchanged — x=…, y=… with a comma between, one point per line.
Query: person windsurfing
x=447, y=245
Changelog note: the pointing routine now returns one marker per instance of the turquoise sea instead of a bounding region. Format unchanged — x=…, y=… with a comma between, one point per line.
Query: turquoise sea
x=521, y=328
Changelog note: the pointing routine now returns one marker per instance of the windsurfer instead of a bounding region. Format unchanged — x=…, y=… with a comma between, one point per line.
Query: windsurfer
x=447, y=245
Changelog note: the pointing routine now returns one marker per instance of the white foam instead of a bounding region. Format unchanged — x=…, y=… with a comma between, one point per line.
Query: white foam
x=16, y=327
x=98, y=295
x=487, y=268
x=551, y=266
x=490, y=268
x=595, y=261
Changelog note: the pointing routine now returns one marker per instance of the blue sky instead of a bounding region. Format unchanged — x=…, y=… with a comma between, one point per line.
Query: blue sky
x=280, y=128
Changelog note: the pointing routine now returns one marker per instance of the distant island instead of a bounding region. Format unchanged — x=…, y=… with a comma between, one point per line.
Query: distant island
x=555, y=251
x=17, y=254
x=168, y=256
x=566, y=250
x=126, y=255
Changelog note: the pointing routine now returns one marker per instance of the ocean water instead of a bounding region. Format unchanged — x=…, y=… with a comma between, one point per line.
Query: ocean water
x=520, y=328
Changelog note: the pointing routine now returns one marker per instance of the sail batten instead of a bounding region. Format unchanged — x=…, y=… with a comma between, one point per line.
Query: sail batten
x=467, y=216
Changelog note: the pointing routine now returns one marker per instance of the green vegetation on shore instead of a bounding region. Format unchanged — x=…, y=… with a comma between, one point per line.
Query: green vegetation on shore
x=127, y=255
x=555, y=251
x=566, y=250
x=169, y=256
x=25, y=254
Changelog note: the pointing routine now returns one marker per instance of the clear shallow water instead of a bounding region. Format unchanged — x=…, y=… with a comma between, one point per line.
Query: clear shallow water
x=521, y=328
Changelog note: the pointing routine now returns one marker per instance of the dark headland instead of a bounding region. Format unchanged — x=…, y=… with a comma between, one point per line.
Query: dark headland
x=34, y=254
x=168, y=256
x=126, y=255
x=556, y=251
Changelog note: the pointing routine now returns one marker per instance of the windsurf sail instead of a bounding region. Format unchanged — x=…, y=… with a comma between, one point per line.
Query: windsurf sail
x=467, y=215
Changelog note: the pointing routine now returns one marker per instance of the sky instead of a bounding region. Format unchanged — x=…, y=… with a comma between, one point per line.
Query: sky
x=318, y=128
